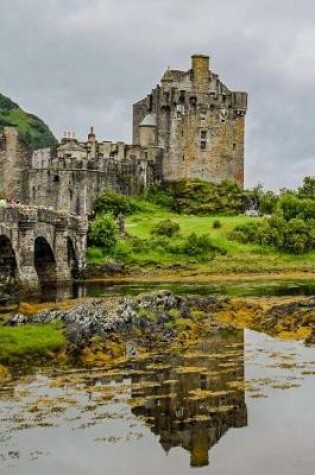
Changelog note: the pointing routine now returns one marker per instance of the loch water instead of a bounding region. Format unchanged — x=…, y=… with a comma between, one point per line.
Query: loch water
x=234, y=403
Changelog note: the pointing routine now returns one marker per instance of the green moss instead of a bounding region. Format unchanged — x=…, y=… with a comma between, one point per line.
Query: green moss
x=174, y=313
x=27, y=341
x=169, y=325
x=198, y=315
x=183, y=324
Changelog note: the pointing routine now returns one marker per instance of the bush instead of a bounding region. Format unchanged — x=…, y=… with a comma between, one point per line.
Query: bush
x=166, y=228
x=216, y=224
x=160, y=196
x=161, y=244
x=293, y=236
x=193, y=196
x=245, y=233
x=298, y=237
x=196, y=245
x=114, y=203
x=103, y=232
x=139, y=246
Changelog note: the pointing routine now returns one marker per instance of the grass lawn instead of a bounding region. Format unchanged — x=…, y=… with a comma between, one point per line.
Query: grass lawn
x=28, y=341
x=231, y=256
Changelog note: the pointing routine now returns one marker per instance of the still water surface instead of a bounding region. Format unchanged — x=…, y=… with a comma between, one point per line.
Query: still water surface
x=238, y=403
x=226, y=288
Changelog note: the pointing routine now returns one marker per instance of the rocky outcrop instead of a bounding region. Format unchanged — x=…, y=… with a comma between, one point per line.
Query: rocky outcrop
x=155, y=313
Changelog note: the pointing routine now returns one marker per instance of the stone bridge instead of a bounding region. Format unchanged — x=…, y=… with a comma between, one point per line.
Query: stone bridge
x=39, y=246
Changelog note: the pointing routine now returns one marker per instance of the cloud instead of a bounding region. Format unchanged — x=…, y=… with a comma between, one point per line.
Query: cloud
x=78, y=63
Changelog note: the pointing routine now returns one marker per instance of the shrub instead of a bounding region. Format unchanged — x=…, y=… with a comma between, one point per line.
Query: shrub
x=103, y=232
x=114, y=203
x=166, y=228
x=216, y=224
x=160, y=196
x=161, y=243
x=138, y=245
x=196, y=245
x=297, y=237
x=193, y=196
x=245, y=233
x=294, y=236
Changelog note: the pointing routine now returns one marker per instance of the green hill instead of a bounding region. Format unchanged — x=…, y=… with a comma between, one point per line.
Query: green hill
x=33, y=130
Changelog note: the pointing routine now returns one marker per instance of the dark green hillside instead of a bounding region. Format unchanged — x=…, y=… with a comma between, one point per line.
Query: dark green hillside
x=32, y=129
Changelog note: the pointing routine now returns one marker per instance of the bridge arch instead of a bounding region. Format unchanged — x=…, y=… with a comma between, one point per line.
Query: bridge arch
x=44, y=261
x=8, y=263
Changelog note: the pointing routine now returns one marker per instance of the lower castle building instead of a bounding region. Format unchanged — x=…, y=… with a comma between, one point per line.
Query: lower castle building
x=190, y=126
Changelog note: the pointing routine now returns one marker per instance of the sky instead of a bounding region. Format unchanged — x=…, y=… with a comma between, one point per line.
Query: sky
x=77, y=63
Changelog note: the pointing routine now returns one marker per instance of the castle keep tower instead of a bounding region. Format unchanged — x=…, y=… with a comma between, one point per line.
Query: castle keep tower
x=197, y=121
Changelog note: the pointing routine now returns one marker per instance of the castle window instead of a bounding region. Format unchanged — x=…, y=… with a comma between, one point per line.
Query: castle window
x=56, y=178
x=181, y=98
x=193, y=101
x=234, y=147
x=203, y=140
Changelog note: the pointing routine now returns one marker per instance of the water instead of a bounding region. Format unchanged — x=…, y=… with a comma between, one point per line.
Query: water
x=227, y=288
x=238, y=403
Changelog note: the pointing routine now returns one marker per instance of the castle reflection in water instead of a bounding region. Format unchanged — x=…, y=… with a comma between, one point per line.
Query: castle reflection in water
x=192, y=399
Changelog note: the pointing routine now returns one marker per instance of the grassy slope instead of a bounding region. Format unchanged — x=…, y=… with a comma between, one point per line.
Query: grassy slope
x=236, y=257
x=32, y=129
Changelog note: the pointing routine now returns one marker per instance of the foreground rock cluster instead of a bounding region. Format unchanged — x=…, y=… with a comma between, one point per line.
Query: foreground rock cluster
x=157, y=313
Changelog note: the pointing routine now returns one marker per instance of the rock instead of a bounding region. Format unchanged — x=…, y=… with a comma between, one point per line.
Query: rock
x=148, y=312
x=18, y=319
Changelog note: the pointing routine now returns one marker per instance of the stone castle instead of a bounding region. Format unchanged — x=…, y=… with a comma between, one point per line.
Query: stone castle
x=190, y=126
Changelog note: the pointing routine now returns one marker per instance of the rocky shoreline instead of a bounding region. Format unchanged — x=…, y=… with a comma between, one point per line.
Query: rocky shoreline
x=157, y=313
x=104, y=330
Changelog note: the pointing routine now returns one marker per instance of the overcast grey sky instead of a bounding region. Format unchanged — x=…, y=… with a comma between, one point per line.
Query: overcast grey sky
x=77, y=63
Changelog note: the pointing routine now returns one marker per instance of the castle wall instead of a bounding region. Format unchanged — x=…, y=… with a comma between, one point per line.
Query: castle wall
x=69, y=181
